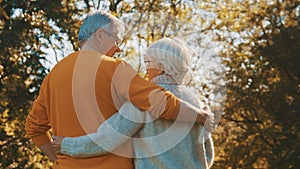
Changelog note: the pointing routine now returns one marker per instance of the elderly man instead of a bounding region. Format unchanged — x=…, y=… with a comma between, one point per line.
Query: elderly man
x=87, y=87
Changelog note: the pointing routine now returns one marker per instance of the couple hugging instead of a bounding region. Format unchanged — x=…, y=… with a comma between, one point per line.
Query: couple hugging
x=104, y=115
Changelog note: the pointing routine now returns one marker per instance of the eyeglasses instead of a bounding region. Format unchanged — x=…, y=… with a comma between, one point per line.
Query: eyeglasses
x=147, y=63
x=117, y=40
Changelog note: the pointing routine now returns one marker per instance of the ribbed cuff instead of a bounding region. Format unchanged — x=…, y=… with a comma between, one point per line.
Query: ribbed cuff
x=42, y=139
x=66, y=146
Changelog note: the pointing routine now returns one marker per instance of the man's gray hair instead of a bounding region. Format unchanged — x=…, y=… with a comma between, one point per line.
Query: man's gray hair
x=100, y=19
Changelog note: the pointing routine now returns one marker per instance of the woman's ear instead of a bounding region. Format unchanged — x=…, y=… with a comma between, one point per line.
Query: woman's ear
x=161, y=67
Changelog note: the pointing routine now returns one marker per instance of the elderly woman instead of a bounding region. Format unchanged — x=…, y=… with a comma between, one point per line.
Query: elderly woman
x=157, y=143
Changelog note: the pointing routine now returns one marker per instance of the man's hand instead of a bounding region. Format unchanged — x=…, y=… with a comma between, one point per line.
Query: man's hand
x=57, y=141
x=47, y=149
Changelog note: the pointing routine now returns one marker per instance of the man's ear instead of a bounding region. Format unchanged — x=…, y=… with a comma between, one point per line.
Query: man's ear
x=99, y=33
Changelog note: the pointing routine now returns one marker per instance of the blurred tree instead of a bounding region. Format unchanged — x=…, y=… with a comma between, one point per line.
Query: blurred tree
x=26, y=27
x=260, y=128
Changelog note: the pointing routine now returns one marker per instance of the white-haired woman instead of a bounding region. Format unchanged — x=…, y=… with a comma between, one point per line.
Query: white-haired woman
x=157, y=143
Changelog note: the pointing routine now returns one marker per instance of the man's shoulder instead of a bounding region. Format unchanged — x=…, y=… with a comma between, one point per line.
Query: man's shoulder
x=87, y=55
x=67, y=60
x=109, y=59
x=113, y=61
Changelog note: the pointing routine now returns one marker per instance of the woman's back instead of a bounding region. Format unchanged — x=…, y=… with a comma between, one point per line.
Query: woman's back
x=172, y=144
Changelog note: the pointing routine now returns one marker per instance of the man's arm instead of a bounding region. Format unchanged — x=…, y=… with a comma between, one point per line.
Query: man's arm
x=156, y=100
x=48, y=150
x=37, y=124
x=114, y=132
x=37, y=127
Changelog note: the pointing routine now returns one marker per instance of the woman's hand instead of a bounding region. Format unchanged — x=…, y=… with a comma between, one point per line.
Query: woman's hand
x=57, y=141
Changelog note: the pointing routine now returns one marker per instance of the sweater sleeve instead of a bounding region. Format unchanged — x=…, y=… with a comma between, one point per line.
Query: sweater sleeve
x=114, y=132
x=147, y=96
x=37, y=123
x=129, y=86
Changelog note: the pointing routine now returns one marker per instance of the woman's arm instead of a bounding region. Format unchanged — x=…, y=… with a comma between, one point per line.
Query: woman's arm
x=112, y=133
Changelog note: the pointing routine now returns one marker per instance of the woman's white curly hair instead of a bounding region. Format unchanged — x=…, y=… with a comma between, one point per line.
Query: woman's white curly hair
x=170, y=55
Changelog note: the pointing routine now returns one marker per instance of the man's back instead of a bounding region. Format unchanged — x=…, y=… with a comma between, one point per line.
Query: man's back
x=57, y=97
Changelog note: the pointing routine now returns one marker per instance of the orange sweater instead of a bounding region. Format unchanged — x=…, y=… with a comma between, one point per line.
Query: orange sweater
x=113, y=82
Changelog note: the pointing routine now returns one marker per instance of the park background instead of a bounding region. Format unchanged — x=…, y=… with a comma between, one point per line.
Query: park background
x=258, y=44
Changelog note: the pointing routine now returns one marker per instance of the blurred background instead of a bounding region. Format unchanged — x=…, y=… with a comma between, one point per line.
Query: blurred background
x=246, y=66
